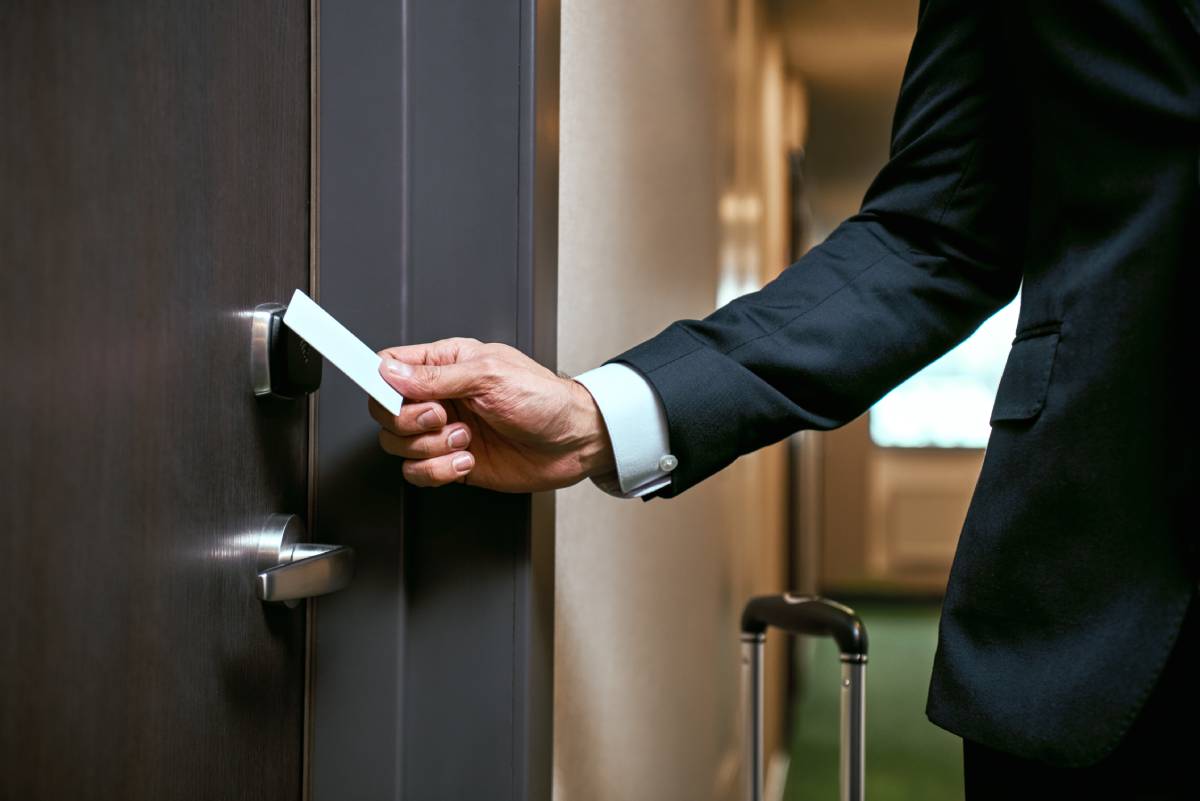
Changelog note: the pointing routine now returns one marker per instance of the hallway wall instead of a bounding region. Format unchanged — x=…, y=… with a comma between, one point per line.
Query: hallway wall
x=648, y=594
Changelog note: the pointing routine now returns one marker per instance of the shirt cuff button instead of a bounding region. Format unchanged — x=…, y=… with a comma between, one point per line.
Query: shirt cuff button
x=668, y=463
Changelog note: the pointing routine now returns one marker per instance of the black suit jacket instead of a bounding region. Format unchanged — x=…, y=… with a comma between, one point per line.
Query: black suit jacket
x=1058, y=144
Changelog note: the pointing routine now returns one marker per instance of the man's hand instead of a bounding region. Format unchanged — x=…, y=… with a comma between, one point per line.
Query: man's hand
x=489, y=416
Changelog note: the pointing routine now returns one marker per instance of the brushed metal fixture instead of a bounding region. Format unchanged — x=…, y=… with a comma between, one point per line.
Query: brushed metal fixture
x=290, y=569
x=282, y=365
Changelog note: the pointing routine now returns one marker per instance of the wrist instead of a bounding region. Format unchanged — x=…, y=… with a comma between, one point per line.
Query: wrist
x=593, y=447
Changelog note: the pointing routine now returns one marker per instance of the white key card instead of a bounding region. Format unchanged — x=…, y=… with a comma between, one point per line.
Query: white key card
x=344, y=350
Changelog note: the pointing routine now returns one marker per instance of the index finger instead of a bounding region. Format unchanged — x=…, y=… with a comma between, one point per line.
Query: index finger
x=443, y=351
x=414, y=418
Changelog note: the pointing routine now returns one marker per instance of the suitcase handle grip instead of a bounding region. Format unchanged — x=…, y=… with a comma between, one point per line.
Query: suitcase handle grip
x=806, y=614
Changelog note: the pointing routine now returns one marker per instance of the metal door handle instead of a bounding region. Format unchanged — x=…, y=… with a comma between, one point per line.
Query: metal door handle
x=290, y=570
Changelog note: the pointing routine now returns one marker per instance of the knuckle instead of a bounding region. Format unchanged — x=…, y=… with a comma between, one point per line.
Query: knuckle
x=418, y=448
x=429, y=377
x=404, y=423
x=425, y=447
x=417, y=473
x=434, y=475
x=495, y=349
x=491, y=368
x=423, y=380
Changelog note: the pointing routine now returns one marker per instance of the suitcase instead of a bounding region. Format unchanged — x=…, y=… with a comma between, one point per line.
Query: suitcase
x=803, y=614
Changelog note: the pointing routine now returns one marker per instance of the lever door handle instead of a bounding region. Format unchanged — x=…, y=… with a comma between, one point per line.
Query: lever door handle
x=312, y=570
x=290, y=570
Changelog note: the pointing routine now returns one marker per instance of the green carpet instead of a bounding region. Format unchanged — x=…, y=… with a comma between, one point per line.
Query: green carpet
x=907, y=756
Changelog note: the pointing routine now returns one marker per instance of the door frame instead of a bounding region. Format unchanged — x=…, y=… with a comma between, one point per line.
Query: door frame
x=435, y=194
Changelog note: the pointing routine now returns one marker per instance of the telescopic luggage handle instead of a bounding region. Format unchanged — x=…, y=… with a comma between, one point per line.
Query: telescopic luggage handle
x=803, y=614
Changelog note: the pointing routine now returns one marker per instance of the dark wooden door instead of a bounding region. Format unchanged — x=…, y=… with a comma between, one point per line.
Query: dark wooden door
x=154, y=187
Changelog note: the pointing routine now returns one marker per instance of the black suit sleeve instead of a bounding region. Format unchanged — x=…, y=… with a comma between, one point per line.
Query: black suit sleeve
x=933, y=252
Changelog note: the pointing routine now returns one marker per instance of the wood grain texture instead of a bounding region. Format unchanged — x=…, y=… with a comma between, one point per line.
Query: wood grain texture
x=154, y=163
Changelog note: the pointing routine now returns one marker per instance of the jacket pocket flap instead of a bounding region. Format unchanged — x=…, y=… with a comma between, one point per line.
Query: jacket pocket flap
x=1026, y=378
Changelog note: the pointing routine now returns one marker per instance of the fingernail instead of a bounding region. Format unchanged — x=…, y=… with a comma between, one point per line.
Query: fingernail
x=462, y=463
x=428, y=419
x=398, y=369
x=458, y=438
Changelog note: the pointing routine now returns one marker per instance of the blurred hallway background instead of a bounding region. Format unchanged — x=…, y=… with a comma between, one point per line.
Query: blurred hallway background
x=704, y=147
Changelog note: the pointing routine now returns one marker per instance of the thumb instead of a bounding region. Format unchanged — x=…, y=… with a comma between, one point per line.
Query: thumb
x=430, y=381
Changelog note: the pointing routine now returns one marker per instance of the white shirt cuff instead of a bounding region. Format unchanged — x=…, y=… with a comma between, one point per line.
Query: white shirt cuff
x=637, y=427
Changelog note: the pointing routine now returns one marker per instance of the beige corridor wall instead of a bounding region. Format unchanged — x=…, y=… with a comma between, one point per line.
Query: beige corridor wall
x=648, y=594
